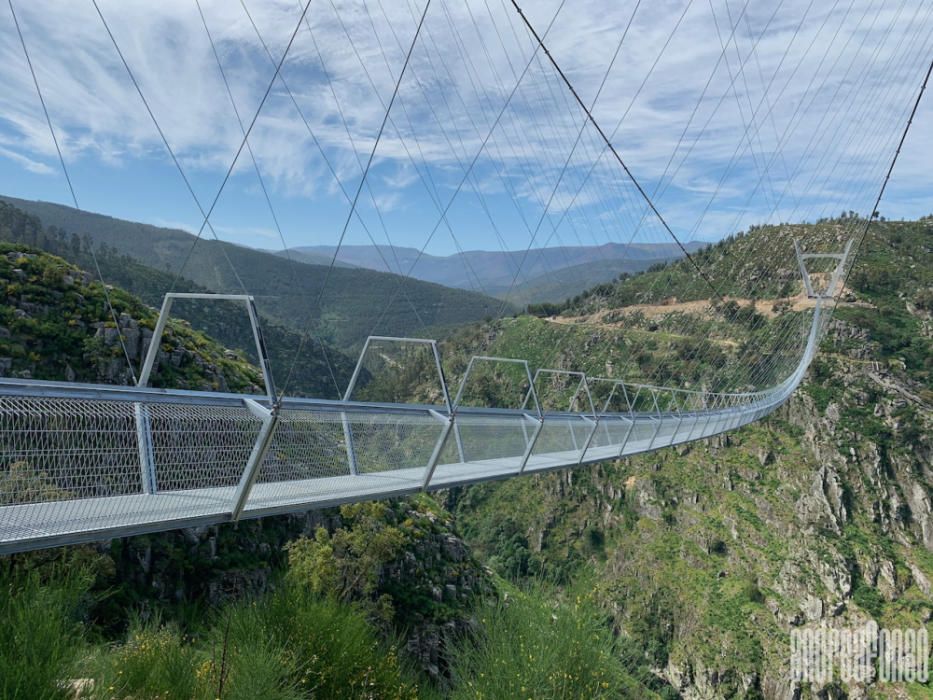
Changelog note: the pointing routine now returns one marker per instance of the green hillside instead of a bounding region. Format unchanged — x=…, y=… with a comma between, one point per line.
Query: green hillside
x=892, y=282
x=736, y=268
x=705, y=556
x=568, y=282
x=379, y=600
x=225, y=321
x=354, y=305
x=678, y=573
x=55, y=324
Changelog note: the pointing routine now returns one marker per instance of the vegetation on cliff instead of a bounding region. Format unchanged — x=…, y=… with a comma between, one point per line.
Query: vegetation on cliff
x=354, y=305
x=676, y=572
x=707, y=555
x=383, y=601
x=55, y=323
x=224, y=321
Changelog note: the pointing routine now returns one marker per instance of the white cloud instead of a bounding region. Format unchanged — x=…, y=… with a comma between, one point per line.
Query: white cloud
x=850, y=67
x=33, y=166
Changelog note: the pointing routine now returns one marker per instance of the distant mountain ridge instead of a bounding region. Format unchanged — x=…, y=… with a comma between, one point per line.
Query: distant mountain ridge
x=493, y=272
x=568, y=282
x=354, y=304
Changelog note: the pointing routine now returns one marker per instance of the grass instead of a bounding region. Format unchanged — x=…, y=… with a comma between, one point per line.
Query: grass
x=153, y=662
x=291, y=644
x=285, y=646
x=40, y=635
x=532, y=647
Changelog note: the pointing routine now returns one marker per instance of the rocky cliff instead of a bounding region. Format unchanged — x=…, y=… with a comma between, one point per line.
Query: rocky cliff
x=56, y=323
x=706, y=556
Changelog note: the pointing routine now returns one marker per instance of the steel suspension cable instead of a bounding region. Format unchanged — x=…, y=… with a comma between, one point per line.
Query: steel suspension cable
x=880, y=128
x=792, y=119
x=517, y=135
x=790, y=127
x=694, y=353
x=498, y=158
x=259, y=177
x=887, y=177
x=749, y=126
x=317, y=143
x=612, y=182
x=71, y=189
x=472, y=164
x=631, y=103
x=205, y=214
x=425, y=175
x=359, y=161
x=369, y=163
x=573, y=149
x=613, y=149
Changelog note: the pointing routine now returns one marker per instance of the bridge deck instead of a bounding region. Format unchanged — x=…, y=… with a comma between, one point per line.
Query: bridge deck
x=84, y=462
x=71, y=520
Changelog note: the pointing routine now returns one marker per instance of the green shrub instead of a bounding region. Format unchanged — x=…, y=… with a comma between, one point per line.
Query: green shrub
x=532, y=647
x=329, y=649
x=40, y=635
x=287, y=645
x=868, y=599
x=153, y=662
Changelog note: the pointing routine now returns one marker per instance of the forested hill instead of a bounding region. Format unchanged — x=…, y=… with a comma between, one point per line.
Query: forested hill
x=546, y=274
x=356, y=302
x=316, y=371
x=55, y=323
x=889, y=291
x=707, y=555
x=735, y=266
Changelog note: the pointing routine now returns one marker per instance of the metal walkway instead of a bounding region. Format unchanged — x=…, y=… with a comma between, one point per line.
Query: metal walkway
x=89, y=462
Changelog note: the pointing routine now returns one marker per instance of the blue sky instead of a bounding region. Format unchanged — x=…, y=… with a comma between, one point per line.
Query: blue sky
x=730, y=80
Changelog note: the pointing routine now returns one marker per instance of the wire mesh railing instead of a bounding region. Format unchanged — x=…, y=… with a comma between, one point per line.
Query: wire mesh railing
x=83, y=462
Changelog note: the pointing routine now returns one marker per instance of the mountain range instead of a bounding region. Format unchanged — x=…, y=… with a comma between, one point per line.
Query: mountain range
x=679, y=573
x=540, y=274
x=341, y=306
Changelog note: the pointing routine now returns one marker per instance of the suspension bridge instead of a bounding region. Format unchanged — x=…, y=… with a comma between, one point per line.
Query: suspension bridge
x=85, y=462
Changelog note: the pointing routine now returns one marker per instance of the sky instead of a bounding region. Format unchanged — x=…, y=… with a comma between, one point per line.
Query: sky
x=722, y=113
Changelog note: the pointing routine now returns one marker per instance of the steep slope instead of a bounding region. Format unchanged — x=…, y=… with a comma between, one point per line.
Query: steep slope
x=707, y=555
x=55, y=324
x=225, y=321
x=146, y=616
x=354, y=305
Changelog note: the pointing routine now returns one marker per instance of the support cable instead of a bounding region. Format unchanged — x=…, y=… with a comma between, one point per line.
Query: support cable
x=472, y=164
x=881, y=128
x=366, y=170
x=855, y=119
x=359, y=163
x=259, y=177
x=573, y=150
x=783, y=141
x=425, y=176
x=71, y=189
x=497, y=158
x=637, y=227
x=207, y=214
x=317, y=143
x=874, y=212
x=612, y=148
